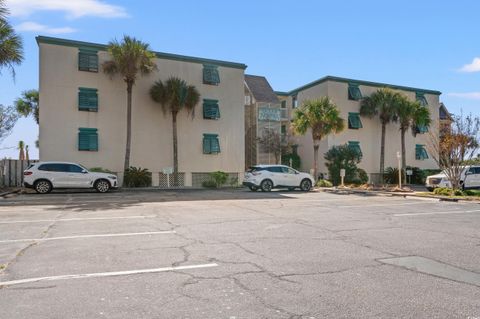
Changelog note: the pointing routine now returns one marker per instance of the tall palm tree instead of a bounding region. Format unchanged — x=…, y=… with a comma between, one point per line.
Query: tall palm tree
x=410, y=116
x=322, y=117
x=129, y=58
x=27, y=104
x=382, y=103
x=27, y=156
x=175, y=95
x=21, y=149
x=11, y=45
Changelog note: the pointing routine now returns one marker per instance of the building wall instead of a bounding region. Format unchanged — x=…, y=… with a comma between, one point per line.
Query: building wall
x=151, y=129
x=369, y=136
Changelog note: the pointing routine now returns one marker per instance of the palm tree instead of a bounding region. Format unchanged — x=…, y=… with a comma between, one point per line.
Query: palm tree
x=27, y=104
x=410, y=116
x=21, y=148
x=129, y=58
x=382, y=103
x=174, y=95
x=27, y=156
x=11, y=46
x=322, y=117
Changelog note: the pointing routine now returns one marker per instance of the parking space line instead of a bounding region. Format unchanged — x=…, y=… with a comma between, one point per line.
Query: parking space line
x=87, y=236
x=105, y=274
x=75, y=219
x=381, y=205
x=439, y=213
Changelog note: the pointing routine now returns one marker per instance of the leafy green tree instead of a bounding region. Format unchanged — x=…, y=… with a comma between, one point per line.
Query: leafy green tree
x=322, y=118
x=344, y=157
x=27, y=104
x=129, y=58
x=11, y=45
x=175, y=95
x=410, y=115
x=382, y=103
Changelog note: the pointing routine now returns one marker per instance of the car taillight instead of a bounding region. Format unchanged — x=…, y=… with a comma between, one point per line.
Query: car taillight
x=27, y=173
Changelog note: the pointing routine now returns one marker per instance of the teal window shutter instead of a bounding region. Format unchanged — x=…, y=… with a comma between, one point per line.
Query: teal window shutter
x=87, y=139
x=211, y=109
x=284, y=104
x=421, y=129
x=420, y=97
x=354, y=92
x=87, y=60
x=211, y=144
x=87, y=99
x=355, y=146
x=420, y=152
x=354, y=121
x=210, y=74
x=283, y=129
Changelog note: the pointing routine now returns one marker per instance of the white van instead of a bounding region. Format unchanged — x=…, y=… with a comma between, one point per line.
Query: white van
x=469, y=179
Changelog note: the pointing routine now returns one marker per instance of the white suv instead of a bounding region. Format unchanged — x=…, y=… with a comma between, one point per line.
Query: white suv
x=45, y=176
x=266, y=177
x=469, y=179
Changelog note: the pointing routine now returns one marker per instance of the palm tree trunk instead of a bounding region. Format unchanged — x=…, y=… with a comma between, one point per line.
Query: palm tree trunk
x=126, y=164
x=382, y=153
x=175, y=148
x=316, y=146
x=404, y=160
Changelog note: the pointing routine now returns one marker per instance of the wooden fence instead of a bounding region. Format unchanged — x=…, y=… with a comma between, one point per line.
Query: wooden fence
x=11, y=172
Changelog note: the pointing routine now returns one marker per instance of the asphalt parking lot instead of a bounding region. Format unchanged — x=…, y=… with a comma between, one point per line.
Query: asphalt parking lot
x=235, y=254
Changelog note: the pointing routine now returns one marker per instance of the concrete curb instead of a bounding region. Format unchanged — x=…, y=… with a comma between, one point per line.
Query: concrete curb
x=392, y=194
x=173, y=189
x=14, y=191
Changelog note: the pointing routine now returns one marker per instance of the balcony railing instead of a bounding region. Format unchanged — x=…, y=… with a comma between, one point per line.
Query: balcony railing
x=284, y=114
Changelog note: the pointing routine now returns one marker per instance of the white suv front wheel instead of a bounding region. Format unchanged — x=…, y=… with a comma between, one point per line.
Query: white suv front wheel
x=266, y=185
x=102, y=186
x=305, y=185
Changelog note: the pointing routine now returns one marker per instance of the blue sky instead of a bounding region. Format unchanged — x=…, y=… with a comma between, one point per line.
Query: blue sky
x=427, y=44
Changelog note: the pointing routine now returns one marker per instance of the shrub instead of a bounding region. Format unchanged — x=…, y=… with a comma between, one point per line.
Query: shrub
x=360, y=177
x=324, y=183
x=458, y=192
x=345, y=157
x=233, y=182
x=209, y=184
x=137, y=177
x=101, y=170
x=296, y=161
x=445, y=191
x=390, y=176
x=471, y=192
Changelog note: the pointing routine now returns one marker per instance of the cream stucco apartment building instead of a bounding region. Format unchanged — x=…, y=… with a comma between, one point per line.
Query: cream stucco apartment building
x=360, y=132
x=83, y=113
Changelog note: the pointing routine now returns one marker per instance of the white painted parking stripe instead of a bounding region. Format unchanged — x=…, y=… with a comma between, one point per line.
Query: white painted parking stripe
x=87, y=236
x=439, y=213
x=105, y=274
x=74, y=219
x=381, y=205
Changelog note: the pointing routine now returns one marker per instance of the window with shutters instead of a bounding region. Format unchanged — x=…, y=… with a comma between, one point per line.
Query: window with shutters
x=420, y=97
x=420, y=152
x=211, y=144
x=87, y=139
x=354, y=92
x=210, y=109
x=210, y=74
x=355, y=146
x=354, y=121
x=88, y=99
x=421, y=129
x=87, y=60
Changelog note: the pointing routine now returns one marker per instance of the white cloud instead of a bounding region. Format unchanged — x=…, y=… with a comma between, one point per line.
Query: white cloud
x=73, y=8
x=472, y=67
x=468, y=95
x=30, y=26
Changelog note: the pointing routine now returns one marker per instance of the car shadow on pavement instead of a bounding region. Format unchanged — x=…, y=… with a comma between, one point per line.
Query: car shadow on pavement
x=85, y=200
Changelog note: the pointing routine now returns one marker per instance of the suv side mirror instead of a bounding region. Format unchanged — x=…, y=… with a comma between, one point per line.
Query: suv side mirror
x=84, y=171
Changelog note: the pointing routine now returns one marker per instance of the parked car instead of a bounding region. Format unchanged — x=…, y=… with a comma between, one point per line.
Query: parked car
x=267, y=177
x=469, y=179
x=45, y=176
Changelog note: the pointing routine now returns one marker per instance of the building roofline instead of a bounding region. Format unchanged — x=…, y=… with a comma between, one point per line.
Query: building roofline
x=160, y=55
x=360, y=82
x=281, y=93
